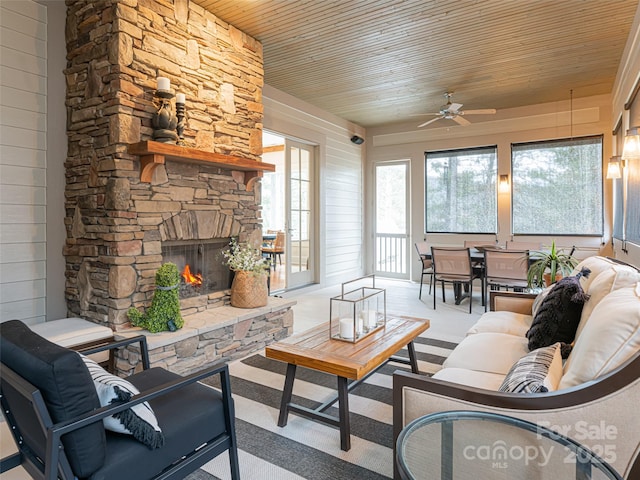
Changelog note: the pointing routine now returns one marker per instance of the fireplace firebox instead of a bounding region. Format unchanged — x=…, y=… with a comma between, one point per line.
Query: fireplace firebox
x=201, y=265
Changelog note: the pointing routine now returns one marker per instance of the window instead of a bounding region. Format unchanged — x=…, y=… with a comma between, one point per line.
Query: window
x=632, y=220
x=632, y=167
x=461, y=194
x=557, y=187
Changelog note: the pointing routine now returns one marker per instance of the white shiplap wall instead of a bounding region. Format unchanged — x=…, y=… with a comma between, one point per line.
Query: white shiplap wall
x=339, y=174
x=23, y=91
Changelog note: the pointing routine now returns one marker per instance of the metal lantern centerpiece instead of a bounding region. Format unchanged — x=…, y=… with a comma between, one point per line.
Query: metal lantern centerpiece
x=357, y=313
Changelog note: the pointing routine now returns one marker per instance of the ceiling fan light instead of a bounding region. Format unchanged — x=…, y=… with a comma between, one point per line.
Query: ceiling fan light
x=453, y=111
x=631, y=149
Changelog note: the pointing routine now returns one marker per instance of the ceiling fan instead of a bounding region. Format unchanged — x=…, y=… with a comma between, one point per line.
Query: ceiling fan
x=452, y=111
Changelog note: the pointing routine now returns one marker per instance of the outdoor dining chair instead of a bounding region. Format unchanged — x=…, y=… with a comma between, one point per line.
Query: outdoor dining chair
x=505, y=268
x=453, y=265
x=276, y=249
x=580, y=253
x=424, y=253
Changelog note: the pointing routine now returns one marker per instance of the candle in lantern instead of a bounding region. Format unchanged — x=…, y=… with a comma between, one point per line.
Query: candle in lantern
x=370, y=318
x=346, y=327
x=180, y=98
x=163, y=83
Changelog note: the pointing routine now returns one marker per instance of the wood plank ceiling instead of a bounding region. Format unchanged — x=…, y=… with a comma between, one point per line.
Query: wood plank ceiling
x=376, y=62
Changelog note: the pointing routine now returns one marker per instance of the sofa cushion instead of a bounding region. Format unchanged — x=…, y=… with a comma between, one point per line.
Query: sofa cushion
x=597, y=265
x=538, y=371
x=609, y=338
x=66, y=387
x=471, y=378
x=138, y=421
x=502, y=322
x=488, y=352
x=559, y=314
x=618, y=276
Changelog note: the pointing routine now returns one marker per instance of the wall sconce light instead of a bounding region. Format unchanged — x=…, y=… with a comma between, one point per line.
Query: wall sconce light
x=631, y=150
x=614, y=168
x=503, y=184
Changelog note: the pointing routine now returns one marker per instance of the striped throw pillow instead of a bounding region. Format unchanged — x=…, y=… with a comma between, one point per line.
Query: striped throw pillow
x=538, y=371
x=139, y=421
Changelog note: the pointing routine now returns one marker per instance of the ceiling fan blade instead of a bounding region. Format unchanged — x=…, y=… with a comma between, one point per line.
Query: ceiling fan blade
x=482, y=111
x=430, y=121
x=423, y=114
x=461, y=121
x=454, y=107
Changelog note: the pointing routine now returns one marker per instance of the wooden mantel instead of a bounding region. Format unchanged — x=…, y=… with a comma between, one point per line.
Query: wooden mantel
x=153, y=154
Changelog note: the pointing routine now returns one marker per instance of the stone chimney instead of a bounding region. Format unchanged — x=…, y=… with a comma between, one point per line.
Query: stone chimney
x=114, y=221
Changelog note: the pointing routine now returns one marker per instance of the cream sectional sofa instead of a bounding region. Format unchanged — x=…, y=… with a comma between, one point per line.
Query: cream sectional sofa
x=599, y=383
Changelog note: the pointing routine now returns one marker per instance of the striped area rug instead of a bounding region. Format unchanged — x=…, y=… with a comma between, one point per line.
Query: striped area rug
x=305, y=449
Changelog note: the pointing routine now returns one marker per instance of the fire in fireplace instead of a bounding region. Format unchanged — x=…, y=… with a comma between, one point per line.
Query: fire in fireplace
x=200, y=263
x=191, y=279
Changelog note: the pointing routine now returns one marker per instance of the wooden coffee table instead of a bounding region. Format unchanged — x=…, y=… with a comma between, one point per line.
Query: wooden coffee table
x=356, y=361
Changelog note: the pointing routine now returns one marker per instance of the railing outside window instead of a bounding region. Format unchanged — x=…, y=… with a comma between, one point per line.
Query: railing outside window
x=391, y=254
x=392, y=218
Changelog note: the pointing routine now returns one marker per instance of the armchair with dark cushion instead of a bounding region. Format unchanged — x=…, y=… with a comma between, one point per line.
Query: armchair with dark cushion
x=50, y=402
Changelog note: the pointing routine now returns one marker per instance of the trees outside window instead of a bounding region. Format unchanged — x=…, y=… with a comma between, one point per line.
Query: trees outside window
x=461, y=195
x=557, y=187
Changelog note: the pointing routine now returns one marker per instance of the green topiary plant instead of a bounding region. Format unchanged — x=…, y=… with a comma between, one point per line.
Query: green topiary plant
x=164, y=312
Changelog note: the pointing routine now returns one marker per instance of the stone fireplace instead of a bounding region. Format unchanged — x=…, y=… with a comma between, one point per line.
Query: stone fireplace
x=132, y=204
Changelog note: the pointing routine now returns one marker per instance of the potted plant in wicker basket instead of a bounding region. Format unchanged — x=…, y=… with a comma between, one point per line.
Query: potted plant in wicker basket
x=549, y=266
x=251, y=269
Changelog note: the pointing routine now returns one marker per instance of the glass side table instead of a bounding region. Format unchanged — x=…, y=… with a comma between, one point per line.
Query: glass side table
x=469, y=445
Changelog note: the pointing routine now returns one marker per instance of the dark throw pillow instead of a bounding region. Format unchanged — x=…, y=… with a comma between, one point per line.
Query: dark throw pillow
x=558, y=317
x=66, y=386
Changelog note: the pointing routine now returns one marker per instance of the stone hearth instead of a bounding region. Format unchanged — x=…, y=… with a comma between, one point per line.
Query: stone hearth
x=222, y=334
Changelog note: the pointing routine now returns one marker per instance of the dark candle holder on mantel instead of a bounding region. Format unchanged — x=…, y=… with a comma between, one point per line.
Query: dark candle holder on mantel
x=180, y=109
x=164, y=122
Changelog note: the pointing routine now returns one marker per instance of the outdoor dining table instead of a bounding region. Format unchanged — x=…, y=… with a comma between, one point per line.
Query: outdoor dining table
x=477, y=255
x=477, y=259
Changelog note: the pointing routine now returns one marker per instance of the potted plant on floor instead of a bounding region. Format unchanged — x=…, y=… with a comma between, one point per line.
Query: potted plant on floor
x=249, y=287
x=549, y=266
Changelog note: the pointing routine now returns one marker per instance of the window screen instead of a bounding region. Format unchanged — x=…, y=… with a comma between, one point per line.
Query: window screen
x=557, y=187
x=461, y=194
